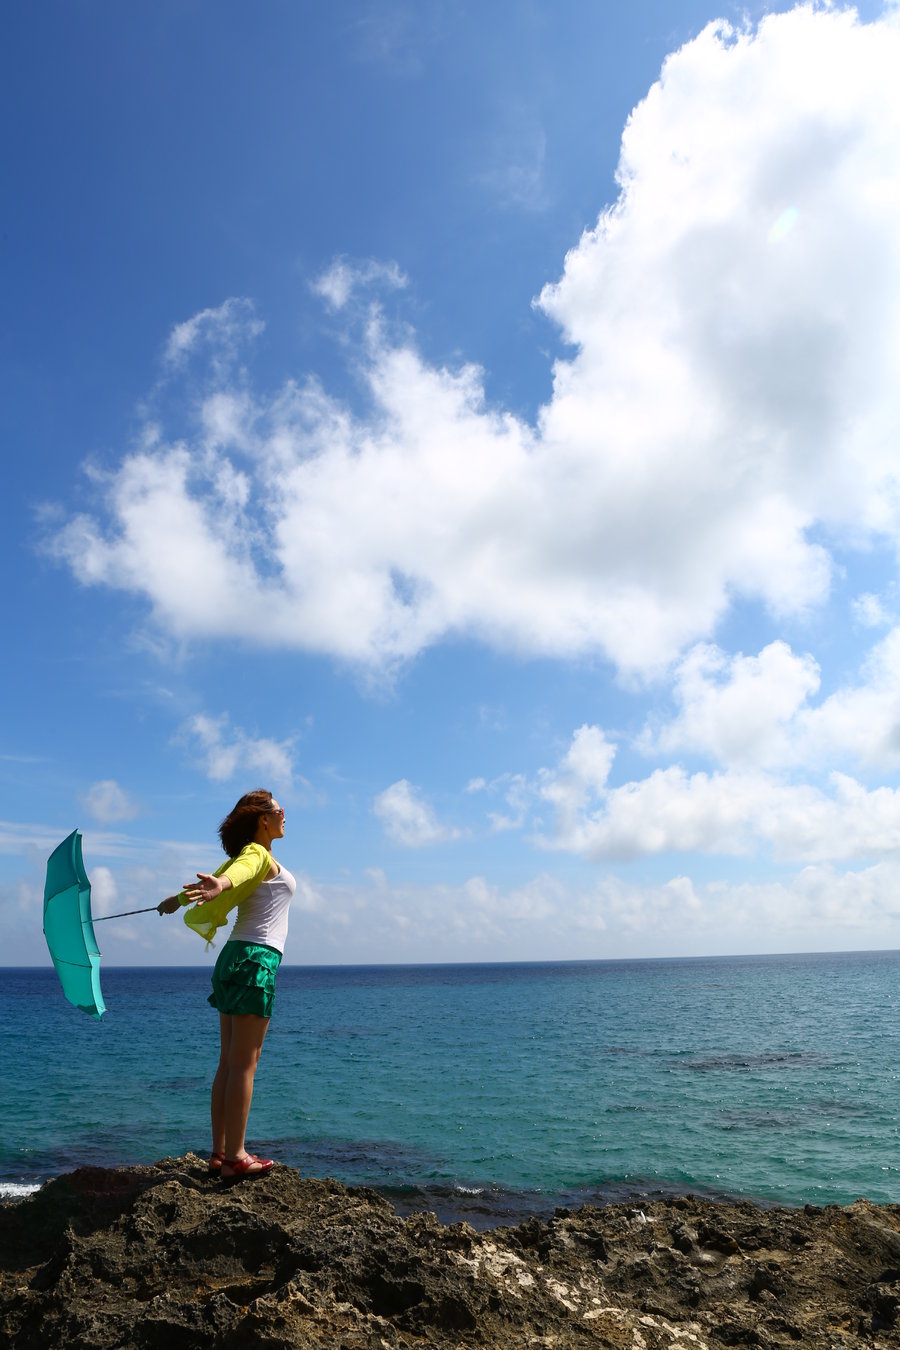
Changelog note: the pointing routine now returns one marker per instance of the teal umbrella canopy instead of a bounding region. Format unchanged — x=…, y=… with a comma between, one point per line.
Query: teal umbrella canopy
x=68, y=927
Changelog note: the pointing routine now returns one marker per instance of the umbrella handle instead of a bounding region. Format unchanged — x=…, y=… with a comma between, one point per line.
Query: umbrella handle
x=104, y=917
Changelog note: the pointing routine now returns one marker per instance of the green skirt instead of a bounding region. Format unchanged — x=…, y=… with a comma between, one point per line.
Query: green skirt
x=243, y=980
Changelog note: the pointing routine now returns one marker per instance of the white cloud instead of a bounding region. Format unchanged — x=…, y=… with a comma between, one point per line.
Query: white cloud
x=23, y=837
x=104, y=891
x=307, y=897
x=819, y=899
x=739, y=709
x=582, y=774
x=609, y=916
x=687, y=318
x=168, y=528
x=36, y=841
x=859, y=722
x=727, y=418
x=516, y=793
x=232, y=323
x=227, y=419
x=733, y=813
x=227, y=750
x=869, y=611
x=344, y=278
x=755, y=710
x=108, y=802
x=474, y=919
x=408, y=819
x=378, y=918
x=801, y=908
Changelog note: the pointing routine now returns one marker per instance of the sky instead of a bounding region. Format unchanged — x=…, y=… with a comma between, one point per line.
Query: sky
x=477, y=424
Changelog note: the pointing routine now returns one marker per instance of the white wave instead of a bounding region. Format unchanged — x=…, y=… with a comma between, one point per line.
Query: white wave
x=16, y=1190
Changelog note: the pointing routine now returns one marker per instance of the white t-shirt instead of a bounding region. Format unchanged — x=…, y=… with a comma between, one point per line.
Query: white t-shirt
x=263, y=916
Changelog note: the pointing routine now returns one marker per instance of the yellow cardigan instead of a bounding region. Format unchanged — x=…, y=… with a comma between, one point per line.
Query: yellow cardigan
x=245, y=872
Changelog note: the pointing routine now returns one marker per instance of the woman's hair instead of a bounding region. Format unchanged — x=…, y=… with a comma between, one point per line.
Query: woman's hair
x=239, y=826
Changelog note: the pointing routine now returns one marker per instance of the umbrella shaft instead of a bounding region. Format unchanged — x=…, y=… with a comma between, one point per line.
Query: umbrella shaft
x=124, y=915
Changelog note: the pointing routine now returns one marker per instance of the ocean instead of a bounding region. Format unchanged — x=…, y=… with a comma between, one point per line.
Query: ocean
x=486, y=1092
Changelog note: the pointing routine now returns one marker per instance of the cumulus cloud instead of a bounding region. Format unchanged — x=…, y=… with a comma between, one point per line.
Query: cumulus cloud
x=735, y=813
x=756, y=711
x=581, y=776
x=753, y=720
x=225, y=750
x=739, y=709
x=726, y=422
x=108, y=802
x=408, y=818
x=859, y=721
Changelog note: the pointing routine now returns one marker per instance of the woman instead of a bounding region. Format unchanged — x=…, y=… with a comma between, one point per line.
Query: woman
x=244, y=976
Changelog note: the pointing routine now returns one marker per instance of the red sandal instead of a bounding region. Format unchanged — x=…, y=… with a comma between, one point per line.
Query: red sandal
x=251, y=1166
x=216, y=1160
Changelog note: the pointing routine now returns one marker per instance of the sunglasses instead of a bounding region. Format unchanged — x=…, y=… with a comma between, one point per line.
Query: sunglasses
x=275, y=811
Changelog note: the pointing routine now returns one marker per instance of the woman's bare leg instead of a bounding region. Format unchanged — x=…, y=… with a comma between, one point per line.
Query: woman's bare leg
x=219, y=1084
x=245, y=1045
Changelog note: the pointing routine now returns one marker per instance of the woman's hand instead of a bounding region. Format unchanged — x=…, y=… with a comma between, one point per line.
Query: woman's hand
x=206, y=887
x=169, y=905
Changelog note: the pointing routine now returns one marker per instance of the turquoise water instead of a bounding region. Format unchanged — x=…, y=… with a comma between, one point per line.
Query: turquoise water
x=488, y=1090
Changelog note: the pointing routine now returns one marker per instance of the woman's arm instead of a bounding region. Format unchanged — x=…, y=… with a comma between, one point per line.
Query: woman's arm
x=206, y=887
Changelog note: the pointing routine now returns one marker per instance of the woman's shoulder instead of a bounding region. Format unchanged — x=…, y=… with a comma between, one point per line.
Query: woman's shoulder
x=262, y=858
x=255, y=856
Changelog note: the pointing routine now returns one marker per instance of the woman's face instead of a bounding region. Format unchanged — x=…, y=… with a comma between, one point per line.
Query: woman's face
x=275, y=821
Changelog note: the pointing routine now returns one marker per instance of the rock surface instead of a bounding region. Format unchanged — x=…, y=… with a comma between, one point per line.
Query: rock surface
x=165, y=1257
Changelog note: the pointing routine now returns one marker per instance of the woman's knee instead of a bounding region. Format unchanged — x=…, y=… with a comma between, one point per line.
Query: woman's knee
x=246, y=1043
x=244, y=1063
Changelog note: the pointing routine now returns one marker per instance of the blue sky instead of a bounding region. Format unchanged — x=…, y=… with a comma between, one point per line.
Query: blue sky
x=478, y=425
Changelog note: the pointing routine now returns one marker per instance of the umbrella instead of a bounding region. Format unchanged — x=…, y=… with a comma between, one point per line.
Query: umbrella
x=69, y=929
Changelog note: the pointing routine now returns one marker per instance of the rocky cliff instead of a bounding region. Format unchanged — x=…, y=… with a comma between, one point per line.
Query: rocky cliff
x=165, y=1257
